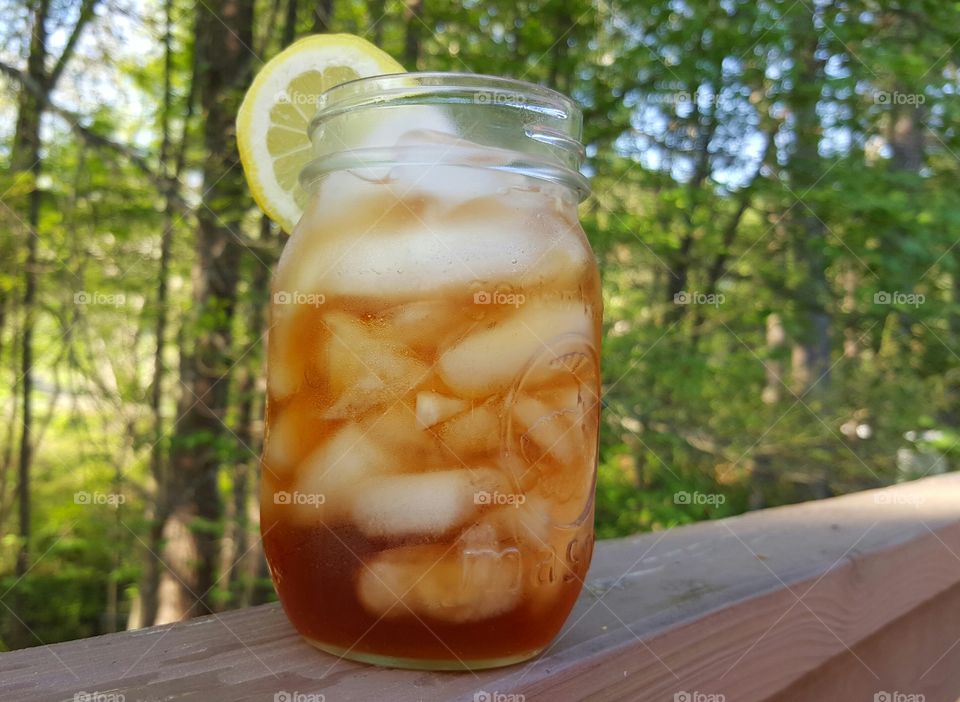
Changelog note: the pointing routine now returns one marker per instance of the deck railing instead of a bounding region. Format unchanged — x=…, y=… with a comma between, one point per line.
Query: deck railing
x=852, y=598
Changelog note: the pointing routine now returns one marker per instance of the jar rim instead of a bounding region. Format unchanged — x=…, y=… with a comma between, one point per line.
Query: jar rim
x=486, y=89
x=550, y=118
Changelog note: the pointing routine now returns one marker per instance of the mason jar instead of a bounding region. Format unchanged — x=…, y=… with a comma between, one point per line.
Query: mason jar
x=433, y=379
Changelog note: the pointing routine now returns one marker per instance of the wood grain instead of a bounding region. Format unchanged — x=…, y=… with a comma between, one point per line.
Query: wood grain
x=856, y=593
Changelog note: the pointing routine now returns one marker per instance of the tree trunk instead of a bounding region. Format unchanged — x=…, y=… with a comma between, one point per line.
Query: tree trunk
x=907, y=145
x=558, y=76
x=773, y=367
x=5, y=453
x=812, y=354
x=290, y=28
x=850, y=279
x=322, y=16
x=249, y=434
x=151, y=579
x=706, y=126
x=25, y=159
x=241, y=558
x=377, y=10
x=906, y=135
x=412, y=40
x=191, y=531
x=717, y=268
x=952, y=389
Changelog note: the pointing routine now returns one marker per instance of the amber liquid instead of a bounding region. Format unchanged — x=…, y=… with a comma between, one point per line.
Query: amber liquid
x=471, y=391
x=314, y=571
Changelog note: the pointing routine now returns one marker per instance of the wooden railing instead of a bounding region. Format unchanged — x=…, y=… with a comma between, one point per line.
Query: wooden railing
x=848, y=599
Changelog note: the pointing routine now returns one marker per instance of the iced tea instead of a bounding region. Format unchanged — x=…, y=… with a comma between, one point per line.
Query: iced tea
x=433, y=382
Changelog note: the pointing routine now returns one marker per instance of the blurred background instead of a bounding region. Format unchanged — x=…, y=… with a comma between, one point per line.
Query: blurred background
x=775, y=213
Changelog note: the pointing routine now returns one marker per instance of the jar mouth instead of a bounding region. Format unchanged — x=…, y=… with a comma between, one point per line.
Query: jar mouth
x=539, y=126
x=437, y=88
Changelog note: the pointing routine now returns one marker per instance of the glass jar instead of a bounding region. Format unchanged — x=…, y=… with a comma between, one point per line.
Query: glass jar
x=433, y=376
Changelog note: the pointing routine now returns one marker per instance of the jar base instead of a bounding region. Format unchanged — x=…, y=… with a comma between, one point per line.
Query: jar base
x=421, y=663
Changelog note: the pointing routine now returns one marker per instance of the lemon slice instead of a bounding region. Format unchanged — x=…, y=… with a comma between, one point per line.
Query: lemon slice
x=281, y=101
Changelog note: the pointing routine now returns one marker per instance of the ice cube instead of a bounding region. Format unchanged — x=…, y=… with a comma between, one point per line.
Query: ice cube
x=559, y=267
x=368, y=391
x=555, y=556
x=473, y=432
x=522, y=475
x=407, y=254
x=568, y=491
x=572, y=361
x=491, y=360
x=547, y=433
x=380, y=131
x=397, y=430
x=282, y=379
x=557, y=258
x=433, y=408
x=343, y=204
x=476, y=579
x=408, y=262
x=329, y=476
x=447, y=141
x=286, y=360
x=560, y=446
x=564, y=394
x=453, y=170
x=423, y=324
x=429, y=503
x=527, y=521
x=365, y=368
x=285, y=371
x=414, y=126
x=277, y=460
x=291, y=433
x=444, y=188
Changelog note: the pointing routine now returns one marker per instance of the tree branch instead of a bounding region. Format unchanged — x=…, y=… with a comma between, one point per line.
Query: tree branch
x=94, y=138
x=86, y=14
x=158, y=177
